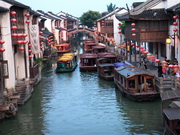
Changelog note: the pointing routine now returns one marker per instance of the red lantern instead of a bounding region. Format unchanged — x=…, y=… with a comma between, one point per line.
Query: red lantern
x=133, y=34
x=19, y=42
x=14, y=35
x=133, y=29
x=27, y=21
x=132, y=44
x=175, y=23
x=164, y=62
x=148, y=56
x=40, y=33
x=29, y=45
x=176, y=66
x=30, y=51
x=13, y=27
x=24, y=42
x=119, y=32
x=153, y=58
x=13, y=13
x=2, y=49
x=164, y=65
x=40, y=37
x=2, y=41
x=19, y=35
x=13, y=20
x=41, y=43
x=157, y=60
x=27, y=14
x=119, y=23
x=119, y=28
x=21, y=48
x=175, y=29
x=171, y=66
x=175, y=17
x=41, y=47
x=145, y=52
x=30, y=56
x=133, y=24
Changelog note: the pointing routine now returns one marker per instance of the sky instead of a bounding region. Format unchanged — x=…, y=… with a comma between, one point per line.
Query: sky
x=75, y=7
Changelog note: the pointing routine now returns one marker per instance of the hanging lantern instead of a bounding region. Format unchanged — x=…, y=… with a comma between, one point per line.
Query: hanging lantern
x=176, y=66
x=40, y=33
x=132, y=44
x=14, y=35
x=157, y=60
x=27, y=14
x=21, y=48
x=13, y=20
x=119, y=28
x=41, y=47
x=30, y=51
x=24, y=35
x=153, y=58
x=41, y=43
x=30, y=56
x=27, y=21
x=137, y=46
x=19, y=35
x=13, y=27
x=2, y=41
x=164, y=65
x=175, y=23
x=148, y=56
x=133, y=34
x=145, y=52
x=133, y=24
x=133, y=29
x=175, y=17
x=119, y=23
x=13, y=13
x=2, y=49
x=24, y=41
x=175, y=29
x=164, y=62
x=119, y=32
x=19, y=42
x=29, y=45
x=171, y=66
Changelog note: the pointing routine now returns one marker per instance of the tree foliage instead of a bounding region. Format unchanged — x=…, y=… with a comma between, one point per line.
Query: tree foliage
x=111, y=7
x=89, y=17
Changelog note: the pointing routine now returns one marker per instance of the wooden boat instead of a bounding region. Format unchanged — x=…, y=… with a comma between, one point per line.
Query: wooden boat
x=171, y=112
x=88, y=62
x=98, y=49
x=135, y=83
x=66, y=63
x=88, y=47
x=63, y=48
x=106, y=71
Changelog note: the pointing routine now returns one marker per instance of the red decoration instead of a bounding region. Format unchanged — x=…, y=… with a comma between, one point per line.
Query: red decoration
x=14, y=35
x=13, y=13
x=149, y=57
x=175, y=17
x=176, y=66
x=137, y=46
x=40, y=33
x=175, y=29
x=41, y=47
x=19, y=35
x=164, y=62
x=171, y=66
x=119, y=23
x=27, y=21
x=21, y=48
x=19, y=42
x=133, y=34
x=24, y=35
x=2, y=41
x=30, y=56
x=27, y=14
x=30, y=51
x=132, y=44
x=24, y=42
x=13, y=27
x=29, y=45
x=133, y=29
x=153, y=58
x=2, y=49
x=119, y=28
x=157, y=60
x=133, y=24
x=175, y=23
x=13, y=20
x=41, y=43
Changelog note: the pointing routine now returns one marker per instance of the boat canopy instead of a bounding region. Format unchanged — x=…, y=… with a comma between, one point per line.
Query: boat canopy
x=106, y=65
x=66, y=57
x=129, y=71
x=172, y=113
x=88, y=55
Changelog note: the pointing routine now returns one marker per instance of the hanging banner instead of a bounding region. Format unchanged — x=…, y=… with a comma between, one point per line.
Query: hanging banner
x=34, y=39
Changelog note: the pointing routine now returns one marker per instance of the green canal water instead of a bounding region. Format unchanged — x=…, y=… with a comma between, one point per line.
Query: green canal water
x=81, y=103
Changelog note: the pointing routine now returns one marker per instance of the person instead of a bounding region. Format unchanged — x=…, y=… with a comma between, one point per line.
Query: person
x=159, y=69
x=164, y=72
x=144, y=63
x=143, y=85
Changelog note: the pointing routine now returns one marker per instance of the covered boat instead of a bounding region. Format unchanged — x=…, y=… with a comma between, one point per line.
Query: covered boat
x=66, y=63
x=135, y=83
x=171, y=112
x=98, y=49
x=88, y=47
x=63, y=48
x=88, y=62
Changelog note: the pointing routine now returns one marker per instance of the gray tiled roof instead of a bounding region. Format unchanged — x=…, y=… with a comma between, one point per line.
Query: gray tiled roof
x=123, y=17
x=175, y=8
x=16, y=3
x=2, y=9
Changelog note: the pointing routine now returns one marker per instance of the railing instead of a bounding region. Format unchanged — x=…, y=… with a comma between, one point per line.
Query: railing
x=34, y=71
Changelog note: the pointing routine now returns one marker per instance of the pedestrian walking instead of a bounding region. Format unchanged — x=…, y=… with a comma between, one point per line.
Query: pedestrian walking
x=159, y=69
x=164, y=70
x=144, y=63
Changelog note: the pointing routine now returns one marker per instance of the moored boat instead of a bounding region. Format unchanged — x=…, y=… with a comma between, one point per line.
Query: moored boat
x=135, y=83
x=63, y=48
x=88, y=47
x=88, y=62
x=66, y=63
x=98, y=49
x=171, y=112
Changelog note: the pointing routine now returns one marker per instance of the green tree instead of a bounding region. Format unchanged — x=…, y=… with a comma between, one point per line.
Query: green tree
x=111, y=7
x=89, y=17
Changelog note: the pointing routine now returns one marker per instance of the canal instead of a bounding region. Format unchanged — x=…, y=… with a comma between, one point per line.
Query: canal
x=81, y=103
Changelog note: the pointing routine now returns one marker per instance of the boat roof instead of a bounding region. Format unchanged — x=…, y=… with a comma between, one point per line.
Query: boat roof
x=65, y=44
x=88, y=55
x=91, y=43
x=170, y=95
x=66, y=57
x=106, y=65
x=98, y=46
x=172, y=113
x=129, y=71
x=105, y=53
